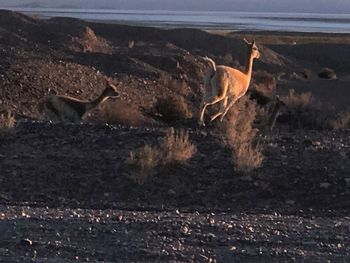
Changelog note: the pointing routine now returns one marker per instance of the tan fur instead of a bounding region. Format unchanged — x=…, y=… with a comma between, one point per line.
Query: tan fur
x=226, y=85
x=68, y=109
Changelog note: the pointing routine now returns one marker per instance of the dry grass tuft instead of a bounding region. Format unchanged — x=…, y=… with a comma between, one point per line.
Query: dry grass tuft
x=307, y=74
x=298, y=101
x=176, y=147
x=342, y=121
x=305, y=111
x=88, y=41
x=240, y=136
x=7, y=123
x=120, y=112
x=178, y=87
x=142, y=162
x=265, y=83
x=173, y=108
x=263, y=88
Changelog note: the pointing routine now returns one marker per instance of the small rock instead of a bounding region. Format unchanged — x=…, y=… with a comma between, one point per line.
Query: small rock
x=325, y=185
x=347, y=181
x=327, y=73
x=3, y=251
x=290, y=202
x=211, y=221
x=246, y=178
x=171, y=192
x=316, y=143
x=233, y=248
x=185, y=230
x=26, y=242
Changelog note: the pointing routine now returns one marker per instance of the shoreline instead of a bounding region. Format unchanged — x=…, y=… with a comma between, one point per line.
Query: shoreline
x=204, y=20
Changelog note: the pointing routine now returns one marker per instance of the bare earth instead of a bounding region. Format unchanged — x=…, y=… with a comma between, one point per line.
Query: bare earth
x=66, y=194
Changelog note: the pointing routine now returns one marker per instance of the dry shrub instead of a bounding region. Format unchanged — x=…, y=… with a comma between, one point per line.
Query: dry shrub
x=228, y=58
x=267, y=115
x=121, y=112
x=307, y=74
x=173, y=108
x=298, y=101
x=259, y=97
x=263, y=89
x=7, y=123
x=240, y=136
x=305, y=111
x=265, y=83
x=142, y=162
x=176, y=147
x=327, y=73
x=342, y=121
x=178, y=87
x=88, y=41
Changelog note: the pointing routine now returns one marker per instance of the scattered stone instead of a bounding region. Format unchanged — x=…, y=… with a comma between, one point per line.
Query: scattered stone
x=327, y=73
x=347, y=181
x=171, y=192
x=26, y=242
x=246, y=178
x=325, y=185
x=290, y=202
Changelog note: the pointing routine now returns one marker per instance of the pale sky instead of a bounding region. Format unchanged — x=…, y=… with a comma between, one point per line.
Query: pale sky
x=318, y=6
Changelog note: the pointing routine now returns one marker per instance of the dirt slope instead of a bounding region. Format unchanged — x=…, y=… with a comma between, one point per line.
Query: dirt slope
x=66, y=193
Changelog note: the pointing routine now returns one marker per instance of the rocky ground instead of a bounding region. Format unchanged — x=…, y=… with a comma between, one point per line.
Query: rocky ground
x=67, y=194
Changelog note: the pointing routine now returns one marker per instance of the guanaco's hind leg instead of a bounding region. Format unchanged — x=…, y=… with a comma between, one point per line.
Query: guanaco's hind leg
x=222, y=87
x=233, y=101
x=222, y=109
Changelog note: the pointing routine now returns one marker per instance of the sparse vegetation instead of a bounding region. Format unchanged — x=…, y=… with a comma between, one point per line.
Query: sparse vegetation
x=88, y=41
x=305, y=111
x=240, y=136
x=178, y=87
x=264, y=83
x=307, y=74
x=173, y=108
x=176, y=147
x=142, y=162
x=121, y=112
x=7, y=123
x=341, y=121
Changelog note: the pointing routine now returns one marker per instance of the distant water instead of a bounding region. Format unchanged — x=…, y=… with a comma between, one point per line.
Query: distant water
x=292, y=22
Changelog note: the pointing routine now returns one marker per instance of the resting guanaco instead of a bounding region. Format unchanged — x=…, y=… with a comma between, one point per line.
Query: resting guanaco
x=64, y=108
x=226, y=85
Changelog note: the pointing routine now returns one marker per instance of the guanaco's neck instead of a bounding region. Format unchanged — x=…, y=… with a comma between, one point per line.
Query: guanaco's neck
x=97, y=101
x=249, y=66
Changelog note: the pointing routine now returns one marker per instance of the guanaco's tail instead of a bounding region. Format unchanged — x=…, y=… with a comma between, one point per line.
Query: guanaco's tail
x=211, y=64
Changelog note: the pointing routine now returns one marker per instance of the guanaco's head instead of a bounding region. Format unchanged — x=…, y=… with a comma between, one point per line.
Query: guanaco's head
x=252, y=49
x=111, y=91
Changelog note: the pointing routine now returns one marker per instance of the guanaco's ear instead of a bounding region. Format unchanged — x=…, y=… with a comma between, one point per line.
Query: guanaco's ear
x=253, y=43
x=246, y=41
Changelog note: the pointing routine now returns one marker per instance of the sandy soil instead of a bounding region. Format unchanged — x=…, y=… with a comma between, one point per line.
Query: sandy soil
x=67, y=195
